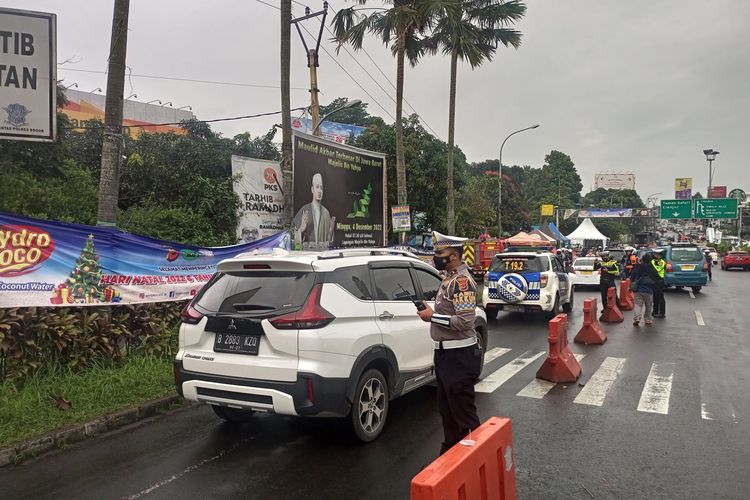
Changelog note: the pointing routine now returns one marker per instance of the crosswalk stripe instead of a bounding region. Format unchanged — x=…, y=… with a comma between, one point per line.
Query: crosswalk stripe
x=495, y=353
x=505, y=372
x=600, y=382
x=658, y=387
x=539, y=388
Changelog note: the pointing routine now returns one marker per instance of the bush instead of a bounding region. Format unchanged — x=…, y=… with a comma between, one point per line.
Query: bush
x=35, y=337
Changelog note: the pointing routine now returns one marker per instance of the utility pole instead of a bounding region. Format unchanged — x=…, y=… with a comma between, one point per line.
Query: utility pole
x=109, y=180
x=313, y=63
x=286, y=113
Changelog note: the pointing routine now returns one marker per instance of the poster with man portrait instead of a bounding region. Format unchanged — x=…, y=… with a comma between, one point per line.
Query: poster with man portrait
x=338, y=195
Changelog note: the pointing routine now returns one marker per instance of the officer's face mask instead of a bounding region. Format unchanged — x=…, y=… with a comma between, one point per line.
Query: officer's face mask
x=441, y=262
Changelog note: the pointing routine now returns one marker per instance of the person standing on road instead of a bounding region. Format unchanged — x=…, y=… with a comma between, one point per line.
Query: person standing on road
x=660, y=266
x=608, y=271
x=644, y=279
x=709, y=263
x=458, y=356
x=629, y=261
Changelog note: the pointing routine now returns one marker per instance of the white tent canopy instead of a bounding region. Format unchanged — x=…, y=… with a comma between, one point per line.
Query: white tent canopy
x=587, y=231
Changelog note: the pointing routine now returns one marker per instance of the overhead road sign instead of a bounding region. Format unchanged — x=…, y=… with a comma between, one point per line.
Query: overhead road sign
x=716, y=208
x=676, y=209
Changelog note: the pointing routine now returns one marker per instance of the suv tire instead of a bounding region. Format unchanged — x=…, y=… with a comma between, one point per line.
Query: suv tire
x=482, y=341
x=234, y=415
x=555, y=308
x=696, y=289
x=370, y=406
x=568, y=306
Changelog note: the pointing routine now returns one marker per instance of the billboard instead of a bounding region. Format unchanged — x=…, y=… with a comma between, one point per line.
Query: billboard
x=683, y=188
x=337, y=132
x=137, y=117
x=605, y=212
x=338, y=195
x=28, y=80
x=717, y=192
x=46, y=263
x=258, y=185
x=609, y=180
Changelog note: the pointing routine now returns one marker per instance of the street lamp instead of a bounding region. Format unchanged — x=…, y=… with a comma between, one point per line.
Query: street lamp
x=348, y=105
x=131, y=95
x=168, y=103
x=183, y=107
x=97, y=89
x=710, y=157
x=71, y=85
x=500, y=181
x=154, y=100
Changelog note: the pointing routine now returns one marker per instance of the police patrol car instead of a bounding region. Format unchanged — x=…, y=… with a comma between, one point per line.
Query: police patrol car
x=527, y=282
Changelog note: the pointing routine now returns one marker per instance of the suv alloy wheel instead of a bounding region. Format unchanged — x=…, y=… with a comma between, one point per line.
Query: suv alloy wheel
x=370, y=406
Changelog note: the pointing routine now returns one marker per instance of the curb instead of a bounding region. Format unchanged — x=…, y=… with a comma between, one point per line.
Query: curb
x=35, y=447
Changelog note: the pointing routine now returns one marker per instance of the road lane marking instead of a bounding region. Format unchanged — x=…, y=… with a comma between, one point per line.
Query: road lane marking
x=600, y=382
x=505, y=372
x=495, y=353
x=658, y=387
x=186, y=470
x=699, y=318
x=692, y=295
x=539, y=388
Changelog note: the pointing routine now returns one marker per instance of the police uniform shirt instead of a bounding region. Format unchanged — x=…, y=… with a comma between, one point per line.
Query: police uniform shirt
x=455, y=306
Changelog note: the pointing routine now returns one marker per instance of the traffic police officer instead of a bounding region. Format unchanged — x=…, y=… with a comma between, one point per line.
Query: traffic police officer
x=458, y=356
x=660, y=306
x=609, y=270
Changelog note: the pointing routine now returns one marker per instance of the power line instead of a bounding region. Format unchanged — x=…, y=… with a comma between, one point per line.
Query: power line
x=192, y=80
x=373, y=78
x=340, y=66
x=214, y=120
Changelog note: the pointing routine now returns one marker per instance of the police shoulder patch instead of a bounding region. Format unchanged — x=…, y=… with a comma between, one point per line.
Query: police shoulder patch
x=463, y=283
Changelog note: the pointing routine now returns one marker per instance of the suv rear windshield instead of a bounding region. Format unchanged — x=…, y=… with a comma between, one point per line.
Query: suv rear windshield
x=686, y=255
x=590, y=261
x=255, y=292
x=516, y=263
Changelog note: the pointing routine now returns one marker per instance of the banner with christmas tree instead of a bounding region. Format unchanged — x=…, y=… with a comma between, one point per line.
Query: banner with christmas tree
x=46, y=263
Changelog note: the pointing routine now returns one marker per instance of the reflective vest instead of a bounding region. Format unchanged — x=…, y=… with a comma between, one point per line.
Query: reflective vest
x=660, y=266
x=611, y=267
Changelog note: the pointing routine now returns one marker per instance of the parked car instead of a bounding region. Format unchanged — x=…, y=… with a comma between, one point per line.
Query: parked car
x=585, y=273
x=617, y=253
x=737, y=259
x=527, y=282
x=685, y=266
x=714, y=254
x=310, y=334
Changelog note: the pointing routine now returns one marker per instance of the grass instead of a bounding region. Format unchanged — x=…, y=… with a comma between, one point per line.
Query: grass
x=104, y=388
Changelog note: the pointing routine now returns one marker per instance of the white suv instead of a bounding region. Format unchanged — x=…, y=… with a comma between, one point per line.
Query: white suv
x=527, y=282
x=309, y=333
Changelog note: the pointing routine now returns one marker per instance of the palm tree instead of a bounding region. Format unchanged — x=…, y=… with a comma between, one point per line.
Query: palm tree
x=286, y=114
x=402, y=26
x=472, y=33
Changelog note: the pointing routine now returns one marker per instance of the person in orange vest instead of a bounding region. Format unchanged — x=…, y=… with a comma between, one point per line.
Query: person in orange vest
x=629, y=261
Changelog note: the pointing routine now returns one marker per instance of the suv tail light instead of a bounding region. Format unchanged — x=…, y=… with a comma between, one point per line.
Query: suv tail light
x=310, y=316
x=543, y=279
x=190, y=315
x=705, y=265
x=669, y=267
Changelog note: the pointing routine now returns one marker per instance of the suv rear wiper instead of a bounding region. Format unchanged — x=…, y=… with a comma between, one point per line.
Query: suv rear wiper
x=252, y=307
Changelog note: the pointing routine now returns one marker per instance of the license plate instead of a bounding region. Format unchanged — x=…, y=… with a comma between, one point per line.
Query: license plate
x=687, y=268
x=239, y=343
x=586, y=273
x=516, y=309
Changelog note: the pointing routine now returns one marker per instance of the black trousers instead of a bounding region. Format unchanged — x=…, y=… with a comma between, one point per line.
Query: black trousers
x=660, y=306
x=456, y=370
x=604, y=285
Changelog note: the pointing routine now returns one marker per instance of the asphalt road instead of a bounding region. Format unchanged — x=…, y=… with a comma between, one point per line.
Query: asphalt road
x=659, y=412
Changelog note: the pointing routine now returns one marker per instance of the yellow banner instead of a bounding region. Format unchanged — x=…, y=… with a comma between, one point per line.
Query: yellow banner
x=547, y=210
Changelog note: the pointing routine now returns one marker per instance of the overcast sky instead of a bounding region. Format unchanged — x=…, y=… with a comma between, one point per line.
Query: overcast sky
x=638, y=86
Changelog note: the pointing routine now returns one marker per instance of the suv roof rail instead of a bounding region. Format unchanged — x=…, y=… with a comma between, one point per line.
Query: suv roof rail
x=349, y=252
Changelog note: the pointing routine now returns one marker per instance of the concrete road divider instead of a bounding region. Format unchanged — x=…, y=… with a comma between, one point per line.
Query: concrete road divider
x=612, y=313
x=560, y=365
x=482, y=471
x=591, y=332
x=627, y=298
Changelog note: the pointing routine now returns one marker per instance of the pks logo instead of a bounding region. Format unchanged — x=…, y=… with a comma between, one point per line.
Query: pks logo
x=271, y=183
x=23, y=249
x=17, y=115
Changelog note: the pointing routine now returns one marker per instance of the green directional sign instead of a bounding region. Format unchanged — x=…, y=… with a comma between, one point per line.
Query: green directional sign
x=676, y=209
x=716, y=208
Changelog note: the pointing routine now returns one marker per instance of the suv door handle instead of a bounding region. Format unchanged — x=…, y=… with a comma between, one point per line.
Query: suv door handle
x=386, y=315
